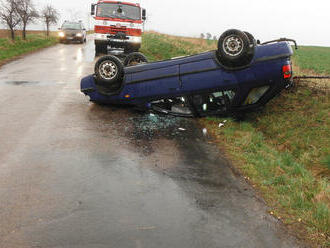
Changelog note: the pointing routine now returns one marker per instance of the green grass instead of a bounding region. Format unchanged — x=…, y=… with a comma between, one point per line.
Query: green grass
x=313, y=58
x=156, y=48
x=299, y=122
x=9, y=49
x=283, y=150
x=160, y=47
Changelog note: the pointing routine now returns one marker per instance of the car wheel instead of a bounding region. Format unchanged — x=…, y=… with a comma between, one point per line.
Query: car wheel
x=109, y=72
x=135, y=59
x=235, y=49
x=252, y=40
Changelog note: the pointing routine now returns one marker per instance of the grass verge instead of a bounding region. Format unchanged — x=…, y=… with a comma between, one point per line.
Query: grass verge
x=9, y=49
x=284, y=153
x=284, y=150
x=158, y=46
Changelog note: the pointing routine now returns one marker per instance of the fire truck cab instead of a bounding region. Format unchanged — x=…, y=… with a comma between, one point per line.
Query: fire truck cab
x=118, y=25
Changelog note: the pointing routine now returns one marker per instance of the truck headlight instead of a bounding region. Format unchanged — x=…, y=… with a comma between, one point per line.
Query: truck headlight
x=79, y=35
x=61, y=34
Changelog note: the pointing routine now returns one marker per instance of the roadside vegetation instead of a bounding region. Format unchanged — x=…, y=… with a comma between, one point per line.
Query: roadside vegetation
x=10, y=49
x=283, y=150
x=16, y=14
x=158, y=46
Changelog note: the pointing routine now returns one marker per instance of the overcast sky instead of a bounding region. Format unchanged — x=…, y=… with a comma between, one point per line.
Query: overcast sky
x=306, y=21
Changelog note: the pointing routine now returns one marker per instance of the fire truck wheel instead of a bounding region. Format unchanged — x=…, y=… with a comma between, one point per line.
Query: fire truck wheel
x=109, y=72
x=131, y=49
x=235, y=49
x=135, y=59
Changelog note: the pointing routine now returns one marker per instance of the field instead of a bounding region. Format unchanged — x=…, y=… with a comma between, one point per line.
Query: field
x=35, y=40
x=161, y=46
x=315, y=59
x=6, y=34
x=283, y=151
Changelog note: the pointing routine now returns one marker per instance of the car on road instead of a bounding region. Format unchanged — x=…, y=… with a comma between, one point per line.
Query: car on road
x=241, y=75
x=72, y=31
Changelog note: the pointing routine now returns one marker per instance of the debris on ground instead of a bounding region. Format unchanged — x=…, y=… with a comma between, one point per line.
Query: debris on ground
x=204, y=131
x=222, y=124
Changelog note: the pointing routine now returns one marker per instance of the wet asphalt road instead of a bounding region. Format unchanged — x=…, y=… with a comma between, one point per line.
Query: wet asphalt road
x=75, y=174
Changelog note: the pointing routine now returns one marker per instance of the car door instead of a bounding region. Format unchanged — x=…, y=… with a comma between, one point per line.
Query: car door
x=154, y=81
x=209, y=88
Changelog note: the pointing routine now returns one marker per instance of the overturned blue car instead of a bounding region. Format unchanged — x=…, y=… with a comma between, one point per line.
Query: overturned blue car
x=241, y=75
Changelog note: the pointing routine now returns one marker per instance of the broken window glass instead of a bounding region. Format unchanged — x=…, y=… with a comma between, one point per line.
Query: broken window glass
x=213, y=103
x=176, y=106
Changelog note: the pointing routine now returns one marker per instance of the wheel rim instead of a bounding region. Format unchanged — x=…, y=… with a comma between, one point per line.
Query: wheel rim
x=233, y=45
x=108, y=70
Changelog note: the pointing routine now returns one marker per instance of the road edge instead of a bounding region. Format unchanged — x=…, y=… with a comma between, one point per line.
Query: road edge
x=7, y=61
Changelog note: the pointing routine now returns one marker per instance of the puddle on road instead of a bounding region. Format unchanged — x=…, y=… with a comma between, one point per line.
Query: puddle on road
x=29, y=83
x=21, y=82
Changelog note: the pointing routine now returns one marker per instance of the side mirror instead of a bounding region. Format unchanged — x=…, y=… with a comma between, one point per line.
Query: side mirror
x=144, y=14
x=93, y=9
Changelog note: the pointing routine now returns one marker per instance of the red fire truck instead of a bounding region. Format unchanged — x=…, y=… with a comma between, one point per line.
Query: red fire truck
x=118, y=24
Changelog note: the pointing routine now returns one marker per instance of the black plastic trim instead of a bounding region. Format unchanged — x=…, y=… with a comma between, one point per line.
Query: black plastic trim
x=286, y=55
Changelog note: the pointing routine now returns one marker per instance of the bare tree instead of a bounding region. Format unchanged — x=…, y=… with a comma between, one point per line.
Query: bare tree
x=50, y=16
x=202, y=36
x=215, y=37
x=9, y=15
x=208, y=36
x=27, y=13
